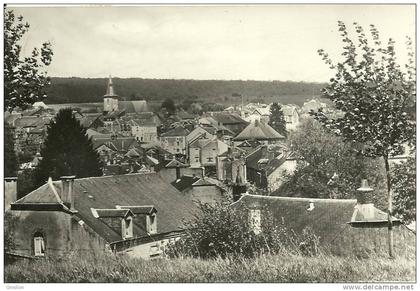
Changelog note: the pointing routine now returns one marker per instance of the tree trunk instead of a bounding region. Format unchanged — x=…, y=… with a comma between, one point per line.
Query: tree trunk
x=390, y=233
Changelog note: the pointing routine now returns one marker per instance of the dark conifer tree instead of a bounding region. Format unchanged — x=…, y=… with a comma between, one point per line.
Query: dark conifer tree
x=67, y=150
x=276, y=120
x=10, y=160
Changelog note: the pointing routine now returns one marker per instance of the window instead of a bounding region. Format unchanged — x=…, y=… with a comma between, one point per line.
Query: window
x=127, y=227
x=39, y=245
x=151, y=222
x=255, y=220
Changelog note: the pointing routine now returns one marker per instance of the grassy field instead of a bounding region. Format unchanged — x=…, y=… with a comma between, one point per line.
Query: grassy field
x=266, y=268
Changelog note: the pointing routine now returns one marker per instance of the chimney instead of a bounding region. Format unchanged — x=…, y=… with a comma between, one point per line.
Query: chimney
x=364, y=201
x=10, y=191
x=67, y=194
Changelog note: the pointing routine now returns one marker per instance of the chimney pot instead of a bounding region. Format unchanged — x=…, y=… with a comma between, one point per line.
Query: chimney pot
x=363, y=193
x=67, y=194
x=10, y=191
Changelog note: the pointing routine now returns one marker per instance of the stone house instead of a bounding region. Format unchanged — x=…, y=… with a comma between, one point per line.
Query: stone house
x=291, y=116
x=203, y=152
x=135, y=214
x=260, y=132
x=343, y=226
x=201, y=132
x=267, y=166
x=198, y=189
x=228, y=123
x=143, y=131
x=175, y=169
x=175, y=140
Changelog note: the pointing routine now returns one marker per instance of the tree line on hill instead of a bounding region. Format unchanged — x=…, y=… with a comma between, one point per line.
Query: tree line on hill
x=78, y=90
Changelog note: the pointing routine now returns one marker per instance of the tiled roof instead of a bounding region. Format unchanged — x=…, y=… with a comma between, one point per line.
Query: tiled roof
x=118, y=144
x=145, y=209
x=258, y=131
x=129, y=190
x=328, y=217
x=185, y=182
x=175, y=164
x=178, y=131
x=228, y=118
x=102, y=213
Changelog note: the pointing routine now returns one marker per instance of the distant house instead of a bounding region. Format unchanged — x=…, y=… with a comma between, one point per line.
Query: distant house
x=268, y=166
x=231, y=169
x=313, y=105
x=260, y=113
x=291, y=116
x=127, y=214
x=198, y=189
x=175, y=140
x=30, y=133
x=143, y=131
x=175, y=169
x=201, y=132
x=260, y=132
x=225, y=121
x=343, y=226
x=203, y=152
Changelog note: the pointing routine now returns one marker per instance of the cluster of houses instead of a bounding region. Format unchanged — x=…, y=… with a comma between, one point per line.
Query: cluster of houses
x=154, y=180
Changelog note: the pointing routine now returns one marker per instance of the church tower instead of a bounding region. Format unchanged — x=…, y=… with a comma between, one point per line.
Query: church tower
x=110, y=98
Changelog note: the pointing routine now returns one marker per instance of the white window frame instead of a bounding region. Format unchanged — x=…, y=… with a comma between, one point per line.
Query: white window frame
x=127, y=227
x=151, y=223
x=39, y=246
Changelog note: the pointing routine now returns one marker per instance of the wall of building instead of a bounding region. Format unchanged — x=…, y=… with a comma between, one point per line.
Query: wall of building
x=367, y=241
x=174, y=144
x=10, y=192
x=169, y=174
x=292, y=122
x=62, y=233
x=150, y=250
x=278, y=176
x=145, y=133
x=195, y=156
x=110, y=104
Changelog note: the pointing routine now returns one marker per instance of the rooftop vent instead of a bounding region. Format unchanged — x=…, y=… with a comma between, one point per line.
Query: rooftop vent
x=311, y=206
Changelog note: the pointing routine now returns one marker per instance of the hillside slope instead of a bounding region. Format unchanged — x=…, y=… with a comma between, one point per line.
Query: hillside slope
x=78, y=90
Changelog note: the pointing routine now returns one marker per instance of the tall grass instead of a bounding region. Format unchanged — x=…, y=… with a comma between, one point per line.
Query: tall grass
x=280, y=268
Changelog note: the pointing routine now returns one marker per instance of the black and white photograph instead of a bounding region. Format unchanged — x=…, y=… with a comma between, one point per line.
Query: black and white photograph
x=209, y=143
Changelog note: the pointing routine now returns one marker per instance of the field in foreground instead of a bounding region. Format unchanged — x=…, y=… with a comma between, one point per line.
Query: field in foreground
x=266, y=268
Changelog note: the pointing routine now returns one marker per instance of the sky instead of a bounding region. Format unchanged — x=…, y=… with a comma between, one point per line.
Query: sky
x=254, y=42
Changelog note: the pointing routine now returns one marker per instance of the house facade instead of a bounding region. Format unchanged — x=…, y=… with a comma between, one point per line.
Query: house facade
x=204, y=152
x=175, y=141
x=127, y=213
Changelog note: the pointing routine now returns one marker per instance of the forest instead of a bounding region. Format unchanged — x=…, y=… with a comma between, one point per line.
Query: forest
x=81, y=90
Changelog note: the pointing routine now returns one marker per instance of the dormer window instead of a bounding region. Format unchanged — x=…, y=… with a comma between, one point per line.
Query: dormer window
x=127, y=228
x=151, y=223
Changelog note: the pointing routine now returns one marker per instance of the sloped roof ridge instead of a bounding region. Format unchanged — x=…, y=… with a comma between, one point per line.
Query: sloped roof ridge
x=300, y=198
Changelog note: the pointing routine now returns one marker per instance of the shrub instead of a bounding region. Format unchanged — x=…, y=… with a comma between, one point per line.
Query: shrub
x=222, y=231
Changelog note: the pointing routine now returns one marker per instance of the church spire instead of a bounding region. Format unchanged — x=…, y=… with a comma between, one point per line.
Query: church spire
x=110, y=89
